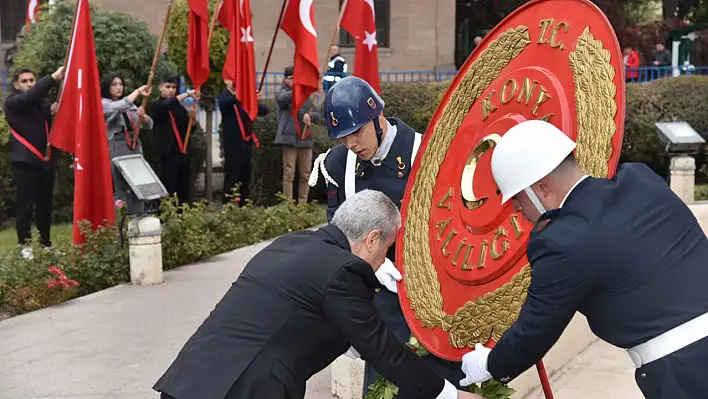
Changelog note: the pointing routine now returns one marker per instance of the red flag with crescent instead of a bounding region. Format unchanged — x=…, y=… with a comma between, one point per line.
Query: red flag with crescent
x=32, y=9
x=299, y=24
x=359, y=19
x=240, y=64
x=80, y=129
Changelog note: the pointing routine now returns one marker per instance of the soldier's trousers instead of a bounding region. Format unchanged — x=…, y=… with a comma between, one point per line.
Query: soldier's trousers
x=387, y=305
x=680, y=375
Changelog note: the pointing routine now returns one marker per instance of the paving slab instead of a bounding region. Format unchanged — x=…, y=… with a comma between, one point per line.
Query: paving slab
x=116, y=343
x=601, y=371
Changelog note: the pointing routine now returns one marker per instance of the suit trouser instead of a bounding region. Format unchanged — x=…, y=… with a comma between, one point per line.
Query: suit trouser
x=302, y=157
x=237, y=170
x=35, y=194
x=680, y=375
x=176, y=175
x=389, y=308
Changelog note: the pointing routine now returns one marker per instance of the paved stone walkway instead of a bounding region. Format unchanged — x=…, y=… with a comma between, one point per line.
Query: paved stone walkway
x=116, y=343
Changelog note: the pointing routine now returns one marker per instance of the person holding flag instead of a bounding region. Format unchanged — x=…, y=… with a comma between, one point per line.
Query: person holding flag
x=238, y=102
x=122, y=119
x=33, y=168
x=297, y=149
x=170, y=120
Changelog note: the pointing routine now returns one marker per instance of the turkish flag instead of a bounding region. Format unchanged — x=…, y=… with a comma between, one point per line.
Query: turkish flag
x=198, y=42
x=299, y=24
x=80, y=129
x=359, y=19
x=31, y=17
x=240, y=64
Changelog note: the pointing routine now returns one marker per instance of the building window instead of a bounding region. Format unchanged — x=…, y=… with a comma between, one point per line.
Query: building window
x=383, y=26
x=12, y=17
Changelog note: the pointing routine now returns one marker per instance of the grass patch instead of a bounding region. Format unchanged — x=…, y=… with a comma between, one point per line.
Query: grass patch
x=61, y=235
x=701, y=192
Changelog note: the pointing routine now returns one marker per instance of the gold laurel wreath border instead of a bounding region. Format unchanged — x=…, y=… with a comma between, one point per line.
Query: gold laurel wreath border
x=490, y=315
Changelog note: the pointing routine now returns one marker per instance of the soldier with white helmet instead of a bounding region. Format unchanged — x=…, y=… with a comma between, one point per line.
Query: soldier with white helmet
x=626, y=252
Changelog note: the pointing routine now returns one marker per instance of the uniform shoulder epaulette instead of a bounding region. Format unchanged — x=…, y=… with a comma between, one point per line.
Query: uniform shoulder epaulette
x=330, y=163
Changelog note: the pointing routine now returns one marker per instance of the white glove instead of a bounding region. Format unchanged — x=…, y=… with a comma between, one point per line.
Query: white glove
x=474, y=365
x=388, y=275
x=352, y=353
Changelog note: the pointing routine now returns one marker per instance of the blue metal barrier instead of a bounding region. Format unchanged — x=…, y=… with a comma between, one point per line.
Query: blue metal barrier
x=647, y=74
x=273, y=80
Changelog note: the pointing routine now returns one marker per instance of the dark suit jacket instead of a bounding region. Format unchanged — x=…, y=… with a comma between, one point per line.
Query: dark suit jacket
x=627, y=253
x=233, y=140
x=298, y=305
x=30, y=116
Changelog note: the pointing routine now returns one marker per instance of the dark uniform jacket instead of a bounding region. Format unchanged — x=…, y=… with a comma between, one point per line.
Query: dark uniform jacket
x=162, y=125
x=629, y=255
x=27, y=114
x=233, y=139
x=286, y=318
x=390, y=177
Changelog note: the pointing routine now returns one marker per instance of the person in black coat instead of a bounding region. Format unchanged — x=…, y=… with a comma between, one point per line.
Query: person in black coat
x=170, y=123
x=626, y=252
x=376, y=153
x=287, y=317
x=237, y=142
x=33, y=167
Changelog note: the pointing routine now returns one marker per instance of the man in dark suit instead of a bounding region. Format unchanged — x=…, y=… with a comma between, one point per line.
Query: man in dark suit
x=170, y=124
x=29, y=115
x=299, y=304
x=237, y=142
x=626, y=252
x=375, y=153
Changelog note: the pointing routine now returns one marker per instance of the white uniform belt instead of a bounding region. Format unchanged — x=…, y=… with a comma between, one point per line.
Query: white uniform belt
x=669, y=342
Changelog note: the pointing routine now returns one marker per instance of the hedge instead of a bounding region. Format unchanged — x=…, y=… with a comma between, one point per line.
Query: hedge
x=189, y=234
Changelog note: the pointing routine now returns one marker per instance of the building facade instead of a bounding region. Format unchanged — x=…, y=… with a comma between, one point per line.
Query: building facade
x=413, y=35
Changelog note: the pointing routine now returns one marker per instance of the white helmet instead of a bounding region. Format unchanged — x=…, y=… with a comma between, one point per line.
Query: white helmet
x=527, y=153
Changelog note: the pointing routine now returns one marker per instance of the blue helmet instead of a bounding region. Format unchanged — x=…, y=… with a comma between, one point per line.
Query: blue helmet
x=350, y=104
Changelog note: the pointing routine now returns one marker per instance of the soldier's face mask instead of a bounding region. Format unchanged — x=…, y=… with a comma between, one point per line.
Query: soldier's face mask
x=25, y=82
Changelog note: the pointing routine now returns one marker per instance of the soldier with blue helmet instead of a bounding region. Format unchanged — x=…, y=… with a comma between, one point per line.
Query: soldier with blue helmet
x=375, y=153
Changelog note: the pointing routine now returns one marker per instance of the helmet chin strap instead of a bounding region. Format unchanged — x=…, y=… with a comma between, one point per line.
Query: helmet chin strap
x=379, y=131
x=535, y=201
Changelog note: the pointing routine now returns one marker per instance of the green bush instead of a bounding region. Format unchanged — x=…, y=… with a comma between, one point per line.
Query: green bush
x=189, y=234
x=176, y=37
x=661, y=100
x=44, y=49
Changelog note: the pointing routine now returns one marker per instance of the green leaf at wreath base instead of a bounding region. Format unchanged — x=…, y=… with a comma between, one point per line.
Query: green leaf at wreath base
x=384, y=389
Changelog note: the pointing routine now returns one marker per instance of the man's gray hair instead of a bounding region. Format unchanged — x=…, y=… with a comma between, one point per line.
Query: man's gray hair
x=365, y=211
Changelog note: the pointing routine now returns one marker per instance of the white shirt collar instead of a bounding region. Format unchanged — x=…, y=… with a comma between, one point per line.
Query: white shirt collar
x=386, y=144
x=572, y=188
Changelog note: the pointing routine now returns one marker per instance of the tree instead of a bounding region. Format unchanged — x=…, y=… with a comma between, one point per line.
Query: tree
x=124, y=45
x=177, y=34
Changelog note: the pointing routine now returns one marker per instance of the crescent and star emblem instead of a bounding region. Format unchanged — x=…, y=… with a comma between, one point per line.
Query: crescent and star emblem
x=335, y=122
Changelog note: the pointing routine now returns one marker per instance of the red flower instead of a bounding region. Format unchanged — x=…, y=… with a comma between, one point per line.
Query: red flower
x=61, y=279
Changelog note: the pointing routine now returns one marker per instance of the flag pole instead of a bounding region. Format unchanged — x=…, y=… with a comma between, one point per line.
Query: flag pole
x=156, y=57
x=212, y=26
x=326, y=57
x=272, y=44
x=48, y=150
